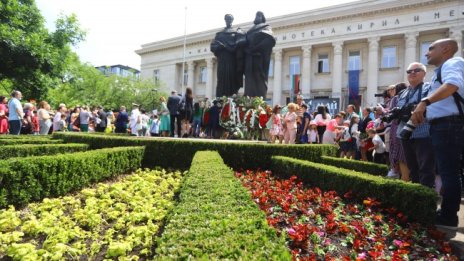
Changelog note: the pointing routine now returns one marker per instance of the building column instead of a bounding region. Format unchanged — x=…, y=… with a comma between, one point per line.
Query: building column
x=410, y=51
x=372, y=70
x=306, y=71
x=456, y=34
x=191, y=74
x=337, y=70
x=277, y=87
x=209, y=78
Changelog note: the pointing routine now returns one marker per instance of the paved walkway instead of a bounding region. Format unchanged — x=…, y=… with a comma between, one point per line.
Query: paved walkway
x=456, y=238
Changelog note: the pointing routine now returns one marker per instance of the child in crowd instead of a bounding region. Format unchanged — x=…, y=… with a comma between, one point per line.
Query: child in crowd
x=313, y=137
x=154, y=127
x=345, y=139
x=276, y=128
x=379, y=146
x=62, y=124
x=290, y=123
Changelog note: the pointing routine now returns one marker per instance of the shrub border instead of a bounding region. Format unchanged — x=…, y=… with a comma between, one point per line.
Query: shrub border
x=23, y=180
x=216, y=218
x=28, y=150
x=416, y=201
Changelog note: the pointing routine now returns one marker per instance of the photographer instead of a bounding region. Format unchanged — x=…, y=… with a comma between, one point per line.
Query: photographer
x=418, y=148
x=445, y=114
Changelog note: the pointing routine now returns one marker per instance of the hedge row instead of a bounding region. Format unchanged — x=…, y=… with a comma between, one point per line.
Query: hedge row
x=29, y=141
x=216, y=219
x=416, y=201
x=356, y=165
x=23, y=180
x=27, y=150
x=178, y=153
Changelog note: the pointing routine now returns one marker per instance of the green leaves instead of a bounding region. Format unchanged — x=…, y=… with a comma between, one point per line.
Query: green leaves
x=96, y=222
x=34, y=178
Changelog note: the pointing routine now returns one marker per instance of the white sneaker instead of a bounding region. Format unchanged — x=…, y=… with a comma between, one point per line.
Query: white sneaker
x=392, y=174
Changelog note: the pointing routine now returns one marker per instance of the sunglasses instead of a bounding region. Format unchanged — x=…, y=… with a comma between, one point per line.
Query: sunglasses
x=414, y=70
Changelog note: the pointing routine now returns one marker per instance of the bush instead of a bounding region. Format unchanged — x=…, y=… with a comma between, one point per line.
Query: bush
x=416, y=201
x=33, y=178
x=216, y=219
x=27, y=150
x=178, y=154
x=29, y=141
x=356, y=165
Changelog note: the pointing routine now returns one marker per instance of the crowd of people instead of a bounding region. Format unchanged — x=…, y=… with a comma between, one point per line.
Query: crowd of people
x=423, y=150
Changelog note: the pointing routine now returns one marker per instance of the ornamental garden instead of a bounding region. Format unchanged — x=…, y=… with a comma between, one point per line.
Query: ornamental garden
x=106, y=197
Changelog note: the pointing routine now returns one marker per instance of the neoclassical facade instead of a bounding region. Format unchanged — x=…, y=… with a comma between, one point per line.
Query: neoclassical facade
x=380, y=38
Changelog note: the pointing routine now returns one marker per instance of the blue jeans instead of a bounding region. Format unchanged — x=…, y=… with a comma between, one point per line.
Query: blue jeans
x=15, y=127
x=196, y=127
x=448, y=141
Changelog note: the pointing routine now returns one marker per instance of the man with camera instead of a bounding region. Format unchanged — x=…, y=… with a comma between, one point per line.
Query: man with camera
x=445, y=113
x=415, y=139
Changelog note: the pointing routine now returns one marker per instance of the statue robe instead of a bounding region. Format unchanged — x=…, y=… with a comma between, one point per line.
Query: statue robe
x=260, y=42
x=229, y=64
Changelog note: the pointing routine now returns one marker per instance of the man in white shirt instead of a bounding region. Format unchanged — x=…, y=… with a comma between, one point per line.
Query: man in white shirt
x=16, y=113
x=57, y=118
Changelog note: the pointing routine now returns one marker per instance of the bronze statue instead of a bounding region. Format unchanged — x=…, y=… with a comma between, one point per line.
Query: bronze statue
x=258, y=50
x=229, y=59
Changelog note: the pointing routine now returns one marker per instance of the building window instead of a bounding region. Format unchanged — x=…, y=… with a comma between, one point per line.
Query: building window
x=271, y=68
x=424, y=49
x=294, y=65
x=203, y=74
x=156, y=76
x=389, y=57
x=185, y=77
x=323, y=63
x=354, y=60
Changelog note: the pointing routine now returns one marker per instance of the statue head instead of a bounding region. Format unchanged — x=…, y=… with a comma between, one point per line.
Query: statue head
x=259, y=18
x=229, y=19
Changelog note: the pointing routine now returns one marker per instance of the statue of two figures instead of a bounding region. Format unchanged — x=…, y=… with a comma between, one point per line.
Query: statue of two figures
x=239, y=54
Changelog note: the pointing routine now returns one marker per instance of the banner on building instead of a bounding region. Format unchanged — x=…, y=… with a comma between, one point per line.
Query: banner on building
x=353, y=88
x=296, y=84
x=333, y=104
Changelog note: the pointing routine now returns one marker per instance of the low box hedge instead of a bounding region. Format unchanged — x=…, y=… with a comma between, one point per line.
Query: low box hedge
x=416, y=201
x=356, y=165
x=216, y=219
x=29, y=141
x=178, y=153
x=27, y=150
x=23, y=180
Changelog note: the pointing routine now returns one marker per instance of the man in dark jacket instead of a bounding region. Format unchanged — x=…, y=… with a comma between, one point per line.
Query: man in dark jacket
x=103, y=120
x=173, y=107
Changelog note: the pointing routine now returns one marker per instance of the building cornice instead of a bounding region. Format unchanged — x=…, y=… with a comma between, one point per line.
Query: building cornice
x=301, y=19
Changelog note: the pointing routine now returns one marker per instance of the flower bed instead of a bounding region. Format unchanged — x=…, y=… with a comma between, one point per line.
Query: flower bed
x=111, y=220
x=323, y=225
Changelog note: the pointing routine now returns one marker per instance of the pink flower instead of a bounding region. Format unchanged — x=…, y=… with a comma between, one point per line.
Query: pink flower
x=362, y=255
x=397, y=242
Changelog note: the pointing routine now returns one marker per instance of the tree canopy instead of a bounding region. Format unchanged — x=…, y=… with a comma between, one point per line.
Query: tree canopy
x=42, y=65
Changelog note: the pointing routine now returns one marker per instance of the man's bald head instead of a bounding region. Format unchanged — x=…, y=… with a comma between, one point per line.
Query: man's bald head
x=441, y=50
x=448, y=45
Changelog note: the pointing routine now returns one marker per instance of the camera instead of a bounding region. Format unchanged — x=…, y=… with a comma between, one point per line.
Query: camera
x=384, y=94
x=406, y=132
x=402, y=114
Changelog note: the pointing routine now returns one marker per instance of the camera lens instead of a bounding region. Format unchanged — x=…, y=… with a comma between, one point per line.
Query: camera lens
x=407, y=131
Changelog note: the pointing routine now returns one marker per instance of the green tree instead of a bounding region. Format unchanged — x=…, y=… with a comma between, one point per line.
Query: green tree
x=33, y=59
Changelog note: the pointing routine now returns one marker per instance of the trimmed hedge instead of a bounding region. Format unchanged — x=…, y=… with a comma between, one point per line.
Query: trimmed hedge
x=416, y=201
x=178, y=153
x=27, y=150
x=216, y=219
x=23, y=180
x=356, y=165
x=28, y=141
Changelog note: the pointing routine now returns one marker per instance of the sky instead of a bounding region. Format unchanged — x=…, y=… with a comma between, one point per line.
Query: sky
x=116, y=28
